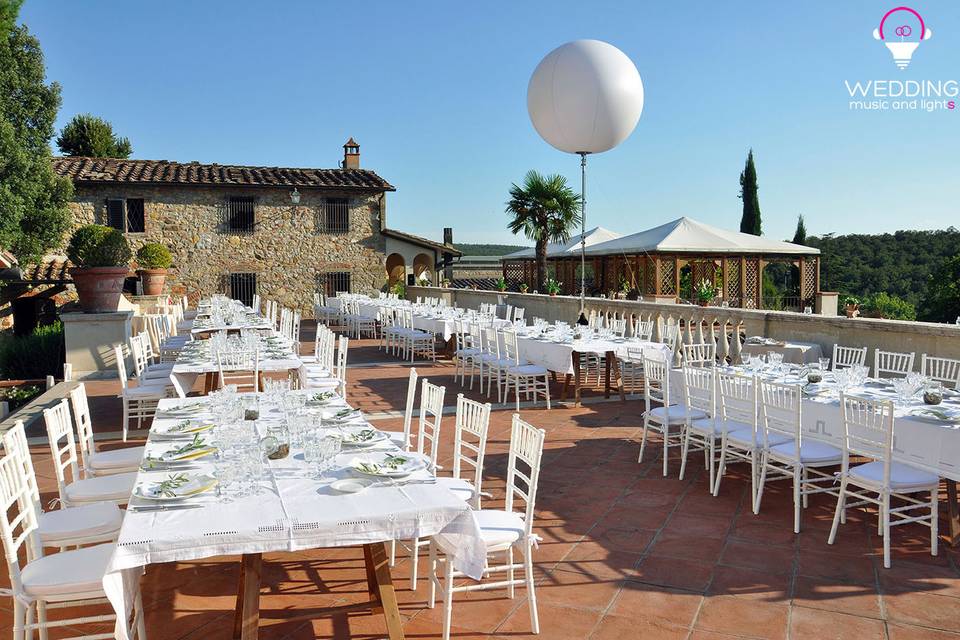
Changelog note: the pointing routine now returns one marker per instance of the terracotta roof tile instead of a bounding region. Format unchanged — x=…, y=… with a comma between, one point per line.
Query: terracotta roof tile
x=112, y=170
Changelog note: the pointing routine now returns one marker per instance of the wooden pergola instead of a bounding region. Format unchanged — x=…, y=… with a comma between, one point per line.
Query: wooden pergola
x=652, y=264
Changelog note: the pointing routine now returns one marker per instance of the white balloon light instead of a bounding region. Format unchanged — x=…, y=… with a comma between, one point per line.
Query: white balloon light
x=586, y=96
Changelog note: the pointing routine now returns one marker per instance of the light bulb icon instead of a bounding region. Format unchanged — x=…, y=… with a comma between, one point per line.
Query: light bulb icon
x=902, y=49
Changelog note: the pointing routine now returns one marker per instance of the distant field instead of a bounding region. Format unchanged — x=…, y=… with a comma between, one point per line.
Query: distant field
x=487, y=249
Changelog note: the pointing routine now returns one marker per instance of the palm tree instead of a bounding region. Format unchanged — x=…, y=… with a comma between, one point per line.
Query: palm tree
x=544, y=209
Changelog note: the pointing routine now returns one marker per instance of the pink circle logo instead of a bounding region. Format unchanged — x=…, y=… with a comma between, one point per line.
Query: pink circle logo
x=901, y=46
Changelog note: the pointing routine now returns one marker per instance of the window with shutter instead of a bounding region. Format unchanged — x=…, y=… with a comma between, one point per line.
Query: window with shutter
x=331, y=283
x=240, y=217
x=337, y=215
x=115, y=214
x=243, y=286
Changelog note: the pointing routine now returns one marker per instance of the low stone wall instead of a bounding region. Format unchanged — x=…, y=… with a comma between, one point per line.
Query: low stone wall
x=723, y=324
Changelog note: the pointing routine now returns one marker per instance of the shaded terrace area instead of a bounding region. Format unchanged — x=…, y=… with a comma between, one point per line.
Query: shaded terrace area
x=625, y=553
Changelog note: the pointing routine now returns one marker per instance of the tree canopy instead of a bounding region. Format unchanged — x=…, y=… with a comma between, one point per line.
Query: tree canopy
x=33, y=199
x=941, y=301
x=750, y=222
x=545, y=210
x=88, y=135
x=800, y=235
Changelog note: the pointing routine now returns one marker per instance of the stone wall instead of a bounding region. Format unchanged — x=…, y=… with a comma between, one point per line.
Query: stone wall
x=286, y=251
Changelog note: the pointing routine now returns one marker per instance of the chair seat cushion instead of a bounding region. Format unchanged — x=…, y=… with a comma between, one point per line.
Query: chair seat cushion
x=741, y=434
x=67, y=572
x=101, y=488
x=73, y=523
x=146, y=392
x=461, y=488
x=111, y=459
x=903, y=477
x=678, y=414
x=811, y=452
x=528, y=370
x=499, y=528
x=469, y=351
x=707, y=426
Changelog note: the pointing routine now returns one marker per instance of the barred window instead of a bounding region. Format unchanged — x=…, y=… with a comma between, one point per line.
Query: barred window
x=330, y=283
x=336, y=215
x=240, y=218
x=126, y=215
x=242, y=287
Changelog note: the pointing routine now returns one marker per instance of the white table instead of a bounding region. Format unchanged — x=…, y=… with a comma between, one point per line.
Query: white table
x=793, y=352
x=184, y=373
x=293, y=512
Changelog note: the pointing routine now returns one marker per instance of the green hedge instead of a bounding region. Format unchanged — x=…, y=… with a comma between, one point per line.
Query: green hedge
x=35, y=356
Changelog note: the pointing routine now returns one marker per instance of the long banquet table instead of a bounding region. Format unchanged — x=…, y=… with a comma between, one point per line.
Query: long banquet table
x=291, y=512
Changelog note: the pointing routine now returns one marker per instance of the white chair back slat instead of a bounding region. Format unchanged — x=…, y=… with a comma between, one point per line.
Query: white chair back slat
x=892, y=363
x=657, y=387
x=81, y=415
x=19, y=518
x=780, y=411
x=63, y=447
x=239, y=367
x=844, y=357
x=431, y=413
x=699, y=355
x=408, y=410
x=943, y=370
x=526, y=448
x=737, y=399
x=868, y=429
x=470, y=439
x=15, y=444
x=699, y=388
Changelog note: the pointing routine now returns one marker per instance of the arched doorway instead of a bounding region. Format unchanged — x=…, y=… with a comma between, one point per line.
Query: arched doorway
x=423, y=268
x=396, y=269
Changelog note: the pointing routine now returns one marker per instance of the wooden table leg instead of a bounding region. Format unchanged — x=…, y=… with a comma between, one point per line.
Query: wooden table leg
x=378, y=565
x=246, y=621
x=606, y=373
x=614, y=365
x=953, y=513
x=577, y=378
x=566, y=386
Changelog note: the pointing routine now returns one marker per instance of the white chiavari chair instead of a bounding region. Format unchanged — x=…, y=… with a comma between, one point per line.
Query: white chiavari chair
x=492, y=364
x=466, y=354
x=668, y=419
x=68, y=579
x=143, y=371
x=943, y=370
x=844, y=357
x=66, y=526
x=402, y=438
x=518, y=313
x=868, y=427
x=892, y=363
x=641, y=329
x=76, y=490
x=256, y=302
x=531, y=380
x=631, y=368
x=240, y=367
x=139, y=402
x=699, y=392
x=503, y=531
x=699, y=355
x=798, y=459
x=469, y=448
x=618, y=326
x=97, y=462
x=332, y=377
x=417, y=342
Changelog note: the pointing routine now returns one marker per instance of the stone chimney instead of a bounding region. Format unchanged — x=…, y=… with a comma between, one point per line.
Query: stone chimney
x=351, y=155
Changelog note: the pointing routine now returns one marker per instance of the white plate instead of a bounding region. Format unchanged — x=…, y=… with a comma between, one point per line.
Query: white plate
x=411, y=465
x=194, y=486
x=179, y=429
x=351, y=485
x=348, y=435
x=193, y=454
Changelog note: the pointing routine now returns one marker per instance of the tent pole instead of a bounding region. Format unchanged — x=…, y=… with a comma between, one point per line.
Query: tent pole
x=583, y=237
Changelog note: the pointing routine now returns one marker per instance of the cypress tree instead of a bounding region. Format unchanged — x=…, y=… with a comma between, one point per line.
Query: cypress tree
x=750, y=222
x=800, y=235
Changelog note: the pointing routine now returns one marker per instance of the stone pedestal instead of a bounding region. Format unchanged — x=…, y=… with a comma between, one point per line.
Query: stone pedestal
x=91, y=337
x=826, y=303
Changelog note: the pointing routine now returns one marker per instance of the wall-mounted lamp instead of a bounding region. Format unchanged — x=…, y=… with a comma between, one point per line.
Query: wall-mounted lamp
x=295, y=196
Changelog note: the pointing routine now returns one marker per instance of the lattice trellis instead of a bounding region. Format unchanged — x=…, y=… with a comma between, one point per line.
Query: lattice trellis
x=752, y=290
x=668, y=284
x=513, y=271
x=732, y=279
x=808, y=282
x=649, y=276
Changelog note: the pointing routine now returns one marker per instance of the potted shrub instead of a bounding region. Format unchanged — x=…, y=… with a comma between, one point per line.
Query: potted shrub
x=706, y=292
x=446, y=283
x=523, y=287
x=100, y=256
x=153, y=260
x=851, y=306
x=552, y=287
x=501, y=284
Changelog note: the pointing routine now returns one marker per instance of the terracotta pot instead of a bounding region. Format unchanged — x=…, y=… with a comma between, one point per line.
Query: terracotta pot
x=703, y=303
x=153, y=281
x=99, y=288
x=553, y=295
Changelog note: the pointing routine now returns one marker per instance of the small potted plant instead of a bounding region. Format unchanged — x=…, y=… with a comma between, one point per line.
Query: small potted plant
x=624, y=289
x=501, y=284
x=446, y=283
x=851, y=306
x=523, y=287
x=100, y=256
x=706, y=292
x=552, y=287
x=153, y=260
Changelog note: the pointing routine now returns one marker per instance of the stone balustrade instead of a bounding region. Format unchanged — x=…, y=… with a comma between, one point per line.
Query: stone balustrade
x=728, y=327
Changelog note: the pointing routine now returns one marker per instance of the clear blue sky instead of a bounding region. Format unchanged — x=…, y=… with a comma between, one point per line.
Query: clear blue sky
x=435, y=92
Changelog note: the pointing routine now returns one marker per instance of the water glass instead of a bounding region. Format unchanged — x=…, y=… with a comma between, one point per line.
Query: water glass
x=824, y=364
x=226, y=471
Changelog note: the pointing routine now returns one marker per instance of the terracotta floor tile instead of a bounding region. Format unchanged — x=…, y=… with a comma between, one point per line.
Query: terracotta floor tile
x=770, y=559
x=647, y=604
x=691, y=547
x=828, y=625
x=577, y=590
x=595, y=559
x=556, y=622
x=924, y=609
x=619, y=628
x=852, y=599
x=840, y=568
x=750, y=583
x=909, y=632
x=674, y=572
x=728, y=614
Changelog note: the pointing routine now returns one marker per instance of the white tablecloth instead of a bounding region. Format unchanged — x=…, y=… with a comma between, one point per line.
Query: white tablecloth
x=919, y=441
x=184, y=375
x=558, y=356
x=292, y=513
x=793, y=352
